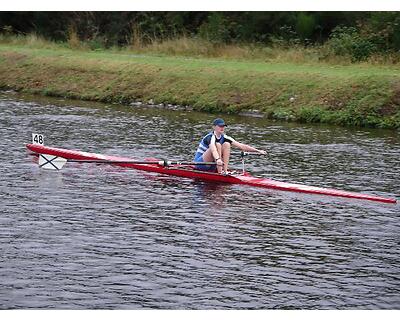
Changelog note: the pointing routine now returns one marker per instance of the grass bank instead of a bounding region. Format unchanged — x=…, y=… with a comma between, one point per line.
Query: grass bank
x=355, y=94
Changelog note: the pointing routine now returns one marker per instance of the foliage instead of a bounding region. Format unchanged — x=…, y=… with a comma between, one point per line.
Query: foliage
x=347, y=41
x=216, y=29
x=118, y=28
x=385, y=26
x=305, y=26
x=355, y=36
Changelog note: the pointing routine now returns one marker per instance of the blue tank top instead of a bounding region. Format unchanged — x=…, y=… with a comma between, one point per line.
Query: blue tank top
x=205, y=143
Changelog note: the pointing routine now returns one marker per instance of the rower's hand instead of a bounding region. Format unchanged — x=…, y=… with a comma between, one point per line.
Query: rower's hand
x=263, y=152
x=219, y=162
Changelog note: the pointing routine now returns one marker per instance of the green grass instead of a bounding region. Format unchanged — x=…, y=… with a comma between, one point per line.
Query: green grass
x=327, y=69
x=355, y=94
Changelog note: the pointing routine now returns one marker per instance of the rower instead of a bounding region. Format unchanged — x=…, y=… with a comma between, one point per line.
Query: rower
x=216, y=146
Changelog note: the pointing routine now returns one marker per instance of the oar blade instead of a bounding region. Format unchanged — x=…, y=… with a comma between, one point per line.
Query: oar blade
x=50, y=162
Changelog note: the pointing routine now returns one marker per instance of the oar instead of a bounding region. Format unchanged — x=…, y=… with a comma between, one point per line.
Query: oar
x=56, y=163
x=164, y=163
x=251, y=153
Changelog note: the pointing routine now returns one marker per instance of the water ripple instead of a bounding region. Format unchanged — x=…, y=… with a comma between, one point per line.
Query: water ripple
x=105, y=237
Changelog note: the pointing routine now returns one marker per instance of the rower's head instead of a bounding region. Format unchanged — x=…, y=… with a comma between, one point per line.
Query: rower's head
x=219, y=125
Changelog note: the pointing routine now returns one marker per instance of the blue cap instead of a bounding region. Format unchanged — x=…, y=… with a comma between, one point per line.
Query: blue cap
x=219, y=122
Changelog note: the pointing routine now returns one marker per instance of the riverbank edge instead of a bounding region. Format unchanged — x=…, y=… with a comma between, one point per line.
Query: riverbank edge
x=365, y=100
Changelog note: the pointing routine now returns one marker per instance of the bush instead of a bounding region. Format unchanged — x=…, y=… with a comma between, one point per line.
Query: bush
x=286, y=37
x=216, y=29
x=347, y=41
x=73, y=38
x=98, y=43
x=305, y=26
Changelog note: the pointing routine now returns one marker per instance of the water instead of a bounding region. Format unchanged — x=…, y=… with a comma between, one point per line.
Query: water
x=97, y=236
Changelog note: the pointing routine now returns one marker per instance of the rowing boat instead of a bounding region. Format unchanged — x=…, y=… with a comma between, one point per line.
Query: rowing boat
x=154, y=165
x=190, y=172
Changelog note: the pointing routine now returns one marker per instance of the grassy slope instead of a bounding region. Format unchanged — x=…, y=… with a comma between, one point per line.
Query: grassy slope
x=362, y=95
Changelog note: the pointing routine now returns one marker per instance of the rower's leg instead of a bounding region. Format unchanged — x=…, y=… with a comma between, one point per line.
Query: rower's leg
x=226, y=153
x=219, y=149
x=208, y=157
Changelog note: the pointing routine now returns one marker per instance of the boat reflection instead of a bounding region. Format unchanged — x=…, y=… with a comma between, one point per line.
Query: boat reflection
x=213, y=193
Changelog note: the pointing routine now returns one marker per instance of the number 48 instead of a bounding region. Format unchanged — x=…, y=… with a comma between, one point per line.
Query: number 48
x=37, y=138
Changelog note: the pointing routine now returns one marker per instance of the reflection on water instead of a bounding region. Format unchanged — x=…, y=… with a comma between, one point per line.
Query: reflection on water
x=214, y=194
x=97, y=236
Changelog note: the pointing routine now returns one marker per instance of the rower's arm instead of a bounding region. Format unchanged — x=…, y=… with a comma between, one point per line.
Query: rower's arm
x=246, y=147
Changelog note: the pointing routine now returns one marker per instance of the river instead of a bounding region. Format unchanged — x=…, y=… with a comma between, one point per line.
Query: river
x=98, y=236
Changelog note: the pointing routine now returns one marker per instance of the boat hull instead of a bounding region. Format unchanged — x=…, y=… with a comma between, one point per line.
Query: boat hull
x=208, y=176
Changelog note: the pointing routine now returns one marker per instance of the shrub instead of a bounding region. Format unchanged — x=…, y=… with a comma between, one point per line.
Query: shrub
x=73, y=38
x=347, y=41
x=216, y=29
x=305, y=26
